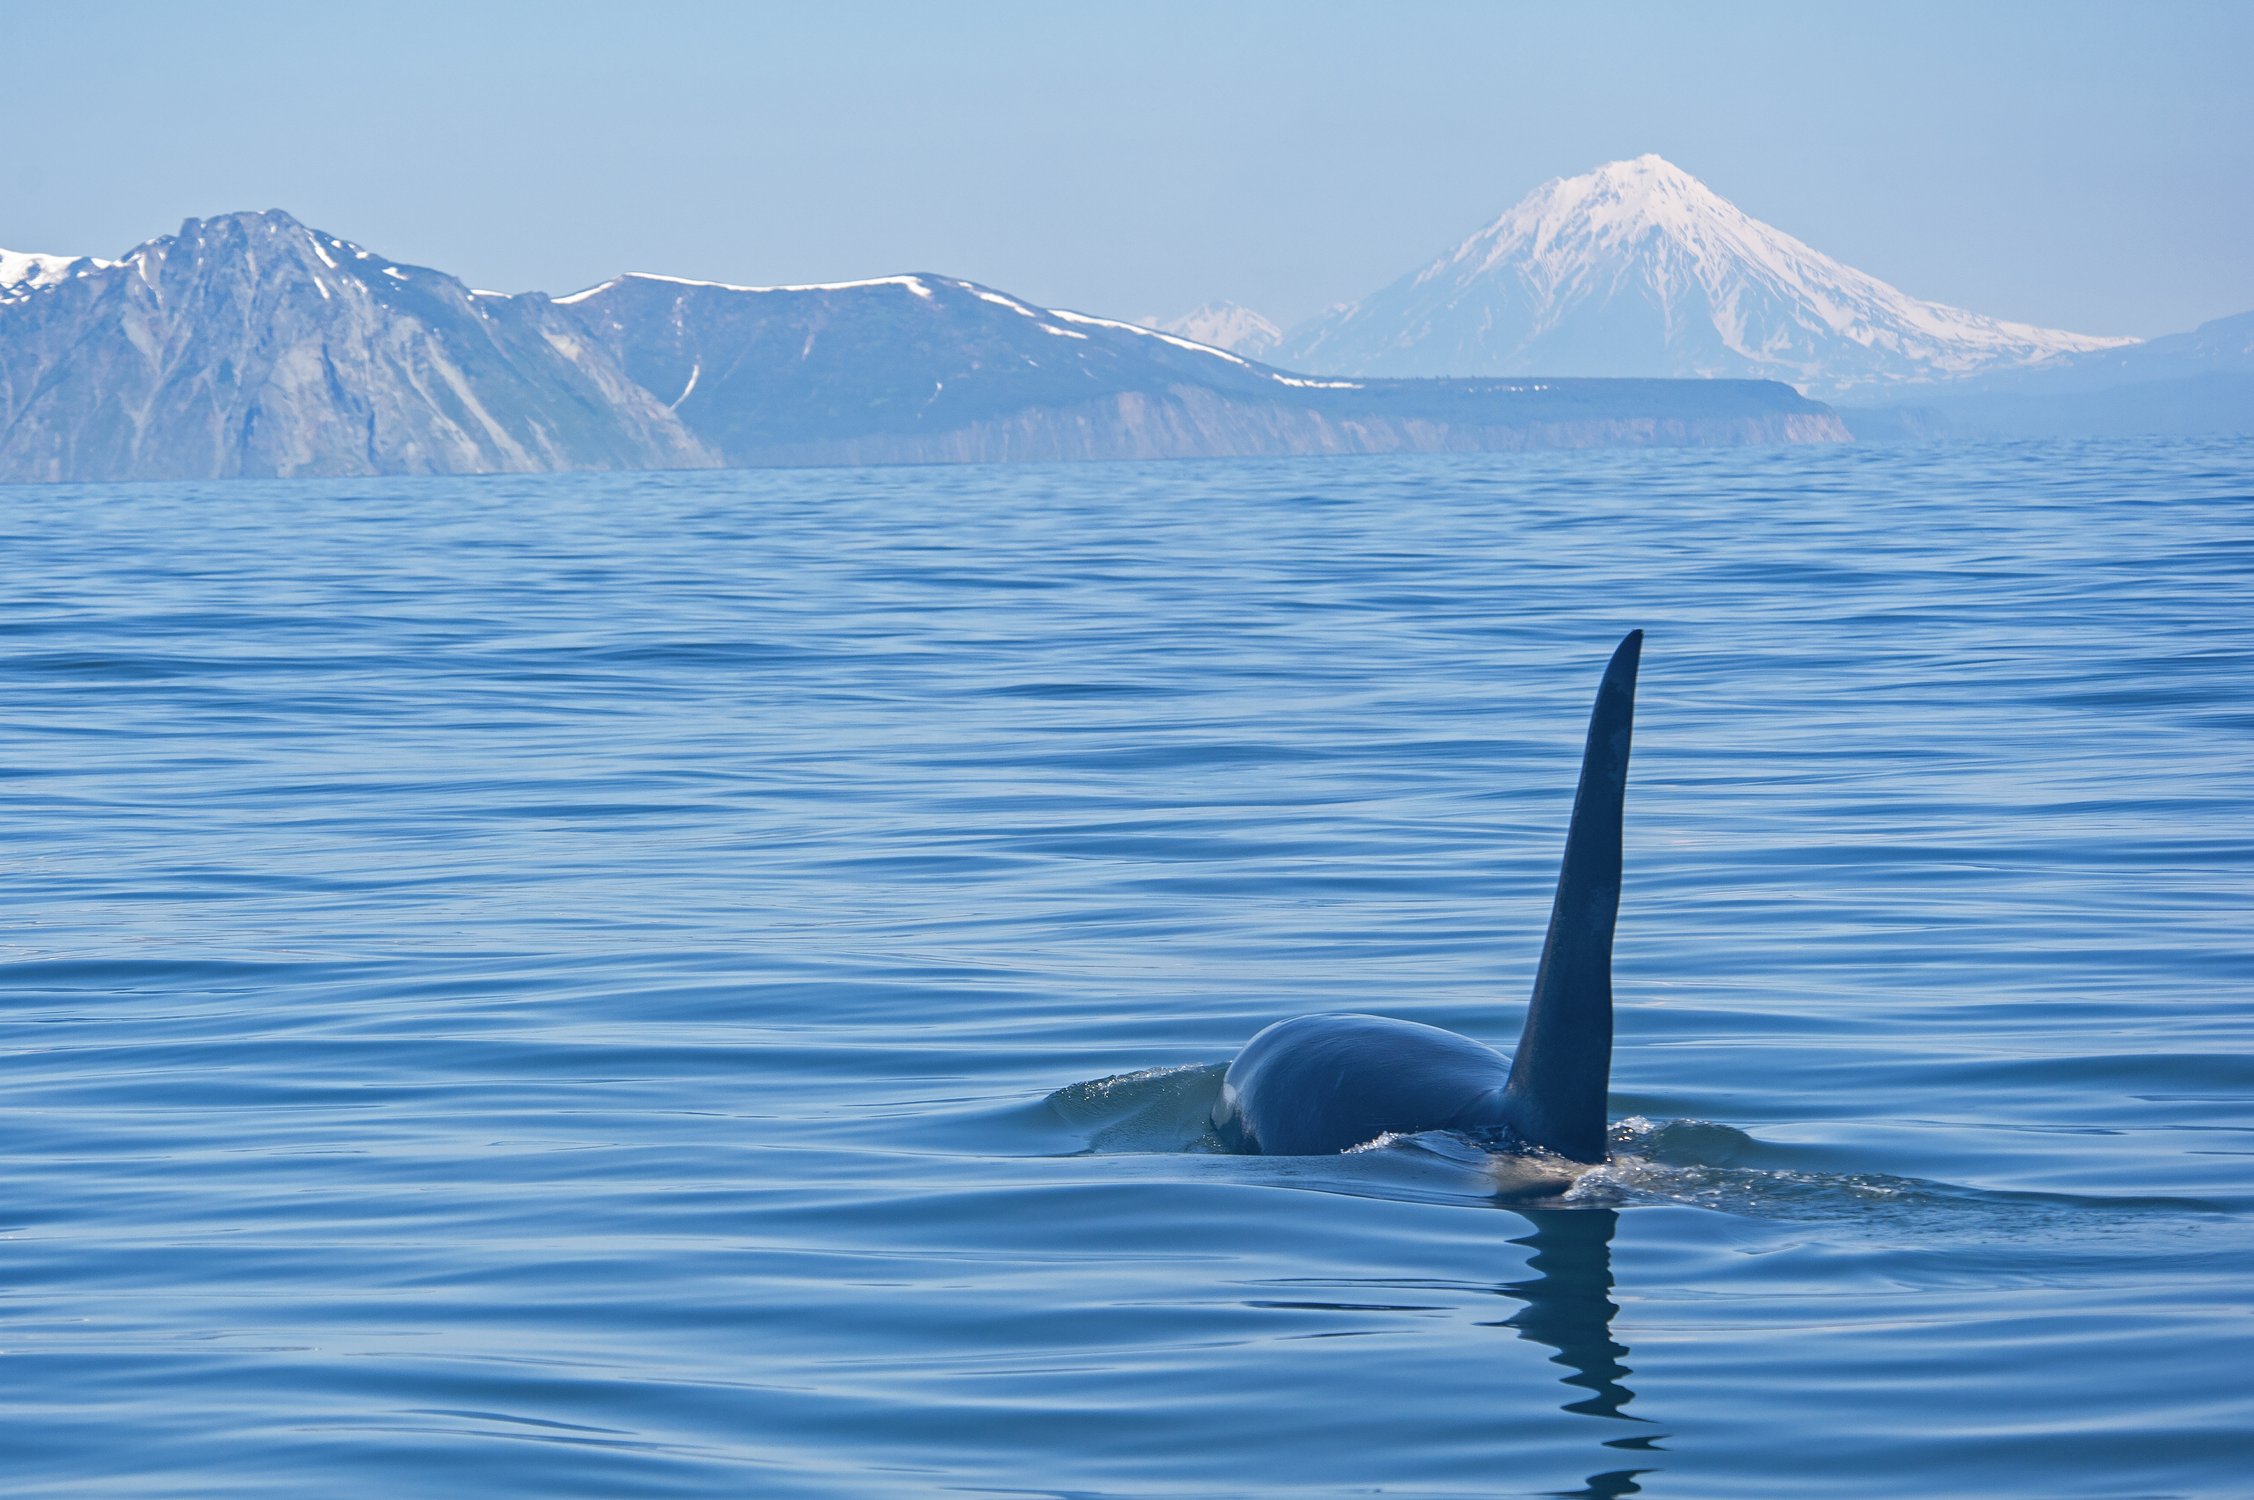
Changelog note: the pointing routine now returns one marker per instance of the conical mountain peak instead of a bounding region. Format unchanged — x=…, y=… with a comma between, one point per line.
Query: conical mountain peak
x=1637, y=268
x=1642, y=176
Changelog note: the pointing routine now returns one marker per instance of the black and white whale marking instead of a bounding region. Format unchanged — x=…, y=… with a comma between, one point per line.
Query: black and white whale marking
x=1318, y=1085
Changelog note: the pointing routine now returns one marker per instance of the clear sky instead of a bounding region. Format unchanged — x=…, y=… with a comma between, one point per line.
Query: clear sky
x=2078, y=165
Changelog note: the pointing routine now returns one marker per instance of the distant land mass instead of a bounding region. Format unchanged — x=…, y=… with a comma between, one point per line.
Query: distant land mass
x=1225, y=325
x=252, y=345
x=1638, y=268
x=2194, y=384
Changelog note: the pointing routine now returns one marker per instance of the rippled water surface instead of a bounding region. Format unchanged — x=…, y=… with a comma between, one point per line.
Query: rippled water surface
x=711, y=983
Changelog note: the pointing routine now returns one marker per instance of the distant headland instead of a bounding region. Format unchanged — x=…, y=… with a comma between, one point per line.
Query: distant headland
x=252, y=345
x=1628, y=306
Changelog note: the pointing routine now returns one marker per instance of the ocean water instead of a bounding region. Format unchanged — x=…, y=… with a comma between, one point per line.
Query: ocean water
x=710, y=983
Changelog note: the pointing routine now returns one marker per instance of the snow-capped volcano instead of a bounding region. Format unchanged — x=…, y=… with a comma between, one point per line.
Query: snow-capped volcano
x=1638, y=268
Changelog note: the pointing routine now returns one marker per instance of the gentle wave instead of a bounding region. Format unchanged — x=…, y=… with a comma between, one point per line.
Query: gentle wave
x=575, y=985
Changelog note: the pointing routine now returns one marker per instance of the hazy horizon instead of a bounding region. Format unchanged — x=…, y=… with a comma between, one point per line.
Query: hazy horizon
x=2079, y=167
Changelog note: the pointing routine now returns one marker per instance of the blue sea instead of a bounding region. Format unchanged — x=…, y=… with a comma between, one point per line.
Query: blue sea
x=711, y=984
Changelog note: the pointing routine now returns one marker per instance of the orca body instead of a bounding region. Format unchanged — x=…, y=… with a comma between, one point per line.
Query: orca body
x=1318, y=1085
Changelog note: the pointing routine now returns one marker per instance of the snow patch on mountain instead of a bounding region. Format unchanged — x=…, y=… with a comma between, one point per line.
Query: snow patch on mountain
x=1638, y=268
x=913, y=284
x=23, y=272
x=1225, y=325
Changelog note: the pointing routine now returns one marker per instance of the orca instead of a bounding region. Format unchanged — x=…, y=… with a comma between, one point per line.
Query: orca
x=1320, y=1085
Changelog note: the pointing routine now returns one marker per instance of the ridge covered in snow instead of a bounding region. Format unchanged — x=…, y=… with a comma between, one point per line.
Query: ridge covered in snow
x=253, y=344
x=909, y=282
x=1226, y=325
x=23, y=272
x=943, y=296
x=1638, y=268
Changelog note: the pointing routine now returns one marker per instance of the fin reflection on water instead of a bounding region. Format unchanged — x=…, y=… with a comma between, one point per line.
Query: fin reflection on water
x=1569, y=1308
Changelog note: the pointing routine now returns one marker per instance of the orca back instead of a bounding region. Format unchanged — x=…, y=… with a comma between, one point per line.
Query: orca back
x=1318, y=1085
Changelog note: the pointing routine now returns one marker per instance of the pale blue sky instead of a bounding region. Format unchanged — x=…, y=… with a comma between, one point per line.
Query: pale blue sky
x=2079, y=165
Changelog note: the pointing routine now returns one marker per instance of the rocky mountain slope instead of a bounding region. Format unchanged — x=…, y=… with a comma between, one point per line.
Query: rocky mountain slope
x=1638, y=268
x=925, y=368
x=250, y=344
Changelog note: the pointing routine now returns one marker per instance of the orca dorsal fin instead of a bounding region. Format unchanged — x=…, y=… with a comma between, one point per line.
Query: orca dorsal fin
x=1563, y=1066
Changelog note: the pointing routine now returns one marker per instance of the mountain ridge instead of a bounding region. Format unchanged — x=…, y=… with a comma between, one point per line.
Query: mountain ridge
x=924, y=367
x=1225, y=325
x=249, y=343
x=252, y=344
x=2194, y=384
x=23, y=272
x=1639, y=268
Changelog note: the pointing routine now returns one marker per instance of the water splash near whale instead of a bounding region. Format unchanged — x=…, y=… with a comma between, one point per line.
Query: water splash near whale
x=1691, y=1163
